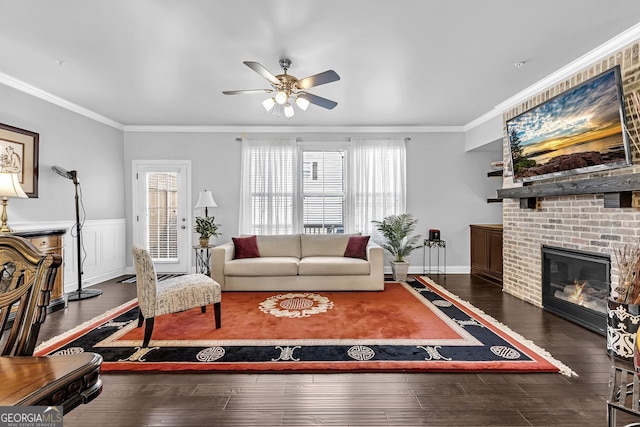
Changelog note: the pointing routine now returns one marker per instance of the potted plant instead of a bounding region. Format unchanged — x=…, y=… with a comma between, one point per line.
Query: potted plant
x=397, y=229
x=206, y=227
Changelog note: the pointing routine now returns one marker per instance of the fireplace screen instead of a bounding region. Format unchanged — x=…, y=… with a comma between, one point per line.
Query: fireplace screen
x=575, y=285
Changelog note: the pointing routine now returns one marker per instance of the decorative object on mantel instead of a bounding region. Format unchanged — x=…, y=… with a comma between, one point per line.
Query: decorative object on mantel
x=79, y=293
x=396, y=230
x=206, y=227
x=623, y=309
x=9, y=187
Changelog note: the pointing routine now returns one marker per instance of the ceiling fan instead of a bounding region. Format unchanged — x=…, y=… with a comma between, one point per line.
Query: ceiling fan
x=289, y=89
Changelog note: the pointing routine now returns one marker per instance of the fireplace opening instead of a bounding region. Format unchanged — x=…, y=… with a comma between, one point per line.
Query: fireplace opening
x=575, y=285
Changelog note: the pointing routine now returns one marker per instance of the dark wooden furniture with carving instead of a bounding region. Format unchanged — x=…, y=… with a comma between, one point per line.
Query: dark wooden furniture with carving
x=26, y=278
x=68, y=380
x=50, y=241
x=486, y=252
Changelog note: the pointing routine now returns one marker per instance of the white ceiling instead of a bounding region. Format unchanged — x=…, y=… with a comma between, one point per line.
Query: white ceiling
x=402, y=63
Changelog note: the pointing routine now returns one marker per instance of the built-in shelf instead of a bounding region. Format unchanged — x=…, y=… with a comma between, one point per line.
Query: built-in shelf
x=495, y=173
x=616, y=190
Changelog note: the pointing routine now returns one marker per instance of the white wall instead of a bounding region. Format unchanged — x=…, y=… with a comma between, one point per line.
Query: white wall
x=447, y=187
x=447, y=190
x=95, y=150
x=71, y=141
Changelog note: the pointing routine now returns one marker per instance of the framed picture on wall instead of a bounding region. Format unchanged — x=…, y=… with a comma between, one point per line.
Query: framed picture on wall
x=19, y=154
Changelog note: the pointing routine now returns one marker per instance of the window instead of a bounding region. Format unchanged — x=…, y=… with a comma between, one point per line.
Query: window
x=289, y=187
x=162, y=202
x=323, y=191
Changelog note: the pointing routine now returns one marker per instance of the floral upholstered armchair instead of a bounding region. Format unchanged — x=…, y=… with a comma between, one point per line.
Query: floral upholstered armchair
x=171, y=295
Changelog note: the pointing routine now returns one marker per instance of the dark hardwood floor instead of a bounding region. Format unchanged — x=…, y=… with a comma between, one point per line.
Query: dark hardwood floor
x=434, y=399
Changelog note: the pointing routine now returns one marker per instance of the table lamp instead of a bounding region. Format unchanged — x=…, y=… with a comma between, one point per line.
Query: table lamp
x=205, y=200
x=9, y=187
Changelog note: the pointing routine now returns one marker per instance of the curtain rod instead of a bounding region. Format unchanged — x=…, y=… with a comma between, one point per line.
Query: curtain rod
x=407, y=139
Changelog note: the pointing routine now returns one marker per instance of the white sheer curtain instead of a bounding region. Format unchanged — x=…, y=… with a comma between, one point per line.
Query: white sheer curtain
x=268, y=186
x=376, y=185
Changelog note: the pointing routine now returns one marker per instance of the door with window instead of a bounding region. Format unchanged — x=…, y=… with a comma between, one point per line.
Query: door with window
x=161, y=221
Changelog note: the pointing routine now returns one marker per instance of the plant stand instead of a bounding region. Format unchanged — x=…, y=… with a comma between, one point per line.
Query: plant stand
x=438, y=244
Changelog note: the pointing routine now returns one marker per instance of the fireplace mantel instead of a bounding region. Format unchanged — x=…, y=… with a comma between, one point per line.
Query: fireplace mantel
x=617, y=190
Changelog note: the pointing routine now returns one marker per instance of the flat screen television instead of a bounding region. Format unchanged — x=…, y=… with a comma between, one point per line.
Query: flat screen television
x=579, y=131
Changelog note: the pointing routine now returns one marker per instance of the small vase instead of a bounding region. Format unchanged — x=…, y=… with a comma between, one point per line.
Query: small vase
x=204, y=242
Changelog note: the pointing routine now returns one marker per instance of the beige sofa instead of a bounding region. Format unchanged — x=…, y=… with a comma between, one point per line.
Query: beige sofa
x=299, y=262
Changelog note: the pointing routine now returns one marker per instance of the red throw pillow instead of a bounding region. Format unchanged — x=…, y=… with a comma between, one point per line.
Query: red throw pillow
x=357, y=247
x=245, y=247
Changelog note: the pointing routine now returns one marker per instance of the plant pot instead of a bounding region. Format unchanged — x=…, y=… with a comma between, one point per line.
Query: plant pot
x=622, y=326
x=400, y=270
x=204, y=242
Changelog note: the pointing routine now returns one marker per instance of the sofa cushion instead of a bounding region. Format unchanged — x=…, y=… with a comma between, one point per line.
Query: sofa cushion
x=332, y=266
x=263, y=266
x=323, y=244
x=245, y=247
x=279, y=245
x=357, y=247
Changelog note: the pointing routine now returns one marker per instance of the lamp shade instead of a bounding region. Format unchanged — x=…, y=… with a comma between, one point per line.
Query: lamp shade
x=10, y=186
x=205, y=200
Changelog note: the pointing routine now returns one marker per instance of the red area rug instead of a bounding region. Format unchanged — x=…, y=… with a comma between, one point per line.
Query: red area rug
x=408, y=327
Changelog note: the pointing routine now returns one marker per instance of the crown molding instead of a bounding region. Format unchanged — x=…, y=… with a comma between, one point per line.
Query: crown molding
x=621, y=40
x=46, y=96
x=294, y=129
x=613, y=45
x=482, y=119
x=597, y=54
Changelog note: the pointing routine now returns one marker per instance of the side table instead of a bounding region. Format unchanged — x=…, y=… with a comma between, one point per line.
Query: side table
x=203, y=258
x=439, y=245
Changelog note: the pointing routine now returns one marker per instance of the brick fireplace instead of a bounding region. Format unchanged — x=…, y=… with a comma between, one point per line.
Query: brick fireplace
x=574, y=222
x=575, y=285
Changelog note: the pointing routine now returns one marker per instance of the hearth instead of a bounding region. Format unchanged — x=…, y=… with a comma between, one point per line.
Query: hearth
x=575, y=285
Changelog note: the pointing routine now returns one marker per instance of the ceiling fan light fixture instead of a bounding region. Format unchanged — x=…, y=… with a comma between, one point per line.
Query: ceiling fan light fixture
x=281, y=97
x=287, y=89
x=302, y=103
x=268, y=104
x=288, y=110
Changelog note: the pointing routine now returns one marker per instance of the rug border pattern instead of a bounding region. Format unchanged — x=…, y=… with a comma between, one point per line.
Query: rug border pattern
x=536, y=354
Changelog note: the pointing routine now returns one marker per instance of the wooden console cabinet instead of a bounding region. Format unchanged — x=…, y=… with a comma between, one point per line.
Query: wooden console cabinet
x=486, y=252
x=50, y=241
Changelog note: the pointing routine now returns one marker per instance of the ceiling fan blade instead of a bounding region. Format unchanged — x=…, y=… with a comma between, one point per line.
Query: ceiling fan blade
x=318, y=79
x=245, y=92
x=318, y=100
x=258, y=68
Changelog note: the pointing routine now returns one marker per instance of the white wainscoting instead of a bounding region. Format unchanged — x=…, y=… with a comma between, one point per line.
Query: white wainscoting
x=103, y=250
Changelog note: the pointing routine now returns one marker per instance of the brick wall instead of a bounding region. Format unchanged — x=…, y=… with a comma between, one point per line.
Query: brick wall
x=573, y=222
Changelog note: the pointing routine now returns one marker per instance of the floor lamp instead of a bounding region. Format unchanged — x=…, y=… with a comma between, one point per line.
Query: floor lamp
x=79, y=293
